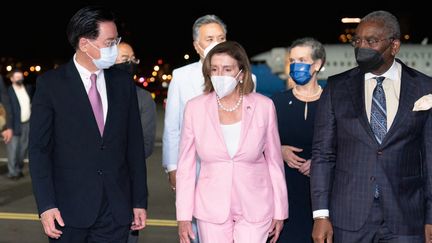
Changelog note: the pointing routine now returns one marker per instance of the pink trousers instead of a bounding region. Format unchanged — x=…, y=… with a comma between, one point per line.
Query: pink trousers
x=235, y=229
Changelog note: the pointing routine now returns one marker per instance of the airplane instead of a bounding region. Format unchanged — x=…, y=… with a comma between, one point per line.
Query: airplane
x=340, y=57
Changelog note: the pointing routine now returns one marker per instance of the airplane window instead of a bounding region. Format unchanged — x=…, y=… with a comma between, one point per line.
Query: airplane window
x=349, y=64
x=335, y=63
x=427, y=64
x=413, y=64
x=342, y=64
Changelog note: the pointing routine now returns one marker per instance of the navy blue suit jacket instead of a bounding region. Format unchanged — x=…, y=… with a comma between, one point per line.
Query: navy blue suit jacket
x=71, y=165
x=347, y=161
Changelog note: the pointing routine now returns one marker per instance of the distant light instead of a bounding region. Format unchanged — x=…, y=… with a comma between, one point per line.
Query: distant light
x=9, y=68
x=156, y=68
x=145, y=84
x=164, y=77
x=160, y=61
x=152, y=79
x=169, y=77
x=343, y=38
x=141, y=79
x=38, y=68
x=153, y=95
x=32, y=69
x=186, y=56
x=350, y=20
x=164, y=84
x=407, y=37
x=154, y=73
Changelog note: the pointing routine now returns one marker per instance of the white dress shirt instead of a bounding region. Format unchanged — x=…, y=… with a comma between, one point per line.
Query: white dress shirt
x=100, y=83
x=24, y=102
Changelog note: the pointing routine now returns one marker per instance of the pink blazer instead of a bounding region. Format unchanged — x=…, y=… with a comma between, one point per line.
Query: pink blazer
x=256, y=168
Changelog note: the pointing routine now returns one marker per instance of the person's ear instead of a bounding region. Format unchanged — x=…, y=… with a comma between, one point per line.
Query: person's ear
x=83, y=44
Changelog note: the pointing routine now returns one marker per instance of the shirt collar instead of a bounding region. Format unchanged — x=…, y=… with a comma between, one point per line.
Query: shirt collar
x=392, y=73
x=82, y=70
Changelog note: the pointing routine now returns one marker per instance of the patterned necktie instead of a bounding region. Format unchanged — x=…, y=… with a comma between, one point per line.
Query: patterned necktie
x=378, y=120
x=96, y=103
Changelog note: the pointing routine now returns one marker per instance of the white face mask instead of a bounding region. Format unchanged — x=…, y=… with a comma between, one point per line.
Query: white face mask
x=224, y=85
x=208, y=48
x=108, y=56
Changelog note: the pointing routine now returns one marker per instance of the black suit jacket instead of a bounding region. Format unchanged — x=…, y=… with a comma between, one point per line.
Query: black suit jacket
x=347, y=161
x=16, y=108
x=71, y=165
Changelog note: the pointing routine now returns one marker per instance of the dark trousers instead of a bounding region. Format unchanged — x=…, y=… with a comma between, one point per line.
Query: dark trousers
x=104, y=230
x=375, y=230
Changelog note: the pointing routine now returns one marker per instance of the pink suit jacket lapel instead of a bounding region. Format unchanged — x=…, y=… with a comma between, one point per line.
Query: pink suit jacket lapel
x=248, y=108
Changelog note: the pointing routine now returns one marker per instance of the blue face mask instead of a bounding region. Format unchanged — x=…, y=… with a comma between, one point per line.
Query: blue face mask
x=107, y=58
x=300, y=73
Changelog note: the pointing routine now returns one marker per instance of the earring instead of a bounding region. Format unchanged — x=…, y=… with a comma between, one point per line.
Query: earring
x=241, y=81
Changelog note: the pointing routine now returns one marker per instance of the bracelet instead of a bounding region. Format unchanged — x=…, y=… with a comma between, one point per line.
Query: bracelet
x=321, y=217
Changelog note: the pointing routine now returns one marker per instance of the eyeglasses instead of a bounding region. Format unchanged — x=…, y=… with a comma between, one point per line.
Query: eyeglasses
x=132, y=59
x=114, y=42
x=371, y=42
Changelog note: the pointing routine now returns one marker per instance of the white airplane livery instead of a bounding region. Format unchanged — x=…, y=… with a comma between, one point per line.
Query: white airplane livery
x=340, y=57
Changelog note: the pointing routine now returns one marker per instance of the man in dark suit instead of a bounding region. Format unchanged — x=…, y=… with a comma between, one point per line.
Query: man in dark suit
x=86, y=146
x=372, y=151
x=20, y=101
x=127, y=61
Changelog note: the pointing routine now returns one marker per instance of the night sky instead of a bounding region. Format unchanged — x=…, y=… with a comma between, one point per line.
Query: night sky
x=161, y=30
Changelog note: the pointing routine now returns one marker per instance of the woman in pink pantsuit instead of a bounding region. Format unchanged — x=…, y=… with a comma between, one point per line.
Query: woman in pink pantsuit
x=240, y=194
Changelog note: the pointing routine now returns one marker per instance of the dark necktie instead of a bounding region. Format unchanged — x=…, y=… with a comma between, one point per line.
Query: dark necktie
x=378, y=120
x=96, y=103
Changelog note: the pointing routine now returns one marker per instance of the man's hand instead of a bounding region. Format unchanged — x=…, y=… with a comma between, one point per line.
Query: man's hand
x=172, y=179
x=48, y=219
x=275, y=229
x=7, y=135
x=289, y=156
x=185, y=231
x=139, y=220
x=428, y=233
x=322, y=231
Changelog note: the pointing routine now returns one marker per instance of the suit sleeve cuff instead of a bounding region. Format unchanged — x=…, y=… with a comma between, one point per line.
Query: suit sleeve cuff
x=320, y=213
x=170, y=168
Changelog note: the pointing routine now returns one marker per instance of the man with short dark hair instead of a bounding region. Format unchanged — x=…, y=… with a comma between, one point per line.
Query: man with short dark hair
x=87, y=160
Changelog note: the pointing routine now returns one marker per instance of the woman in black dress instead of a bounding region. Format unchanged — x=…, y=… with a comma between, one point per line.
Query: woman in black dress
x=296, y=113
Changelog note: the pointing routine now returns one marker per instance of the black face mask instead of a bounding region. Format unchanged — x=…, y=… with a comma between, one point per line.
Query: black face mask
x=127, y=66
x=368, y=59
x=20, y=81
